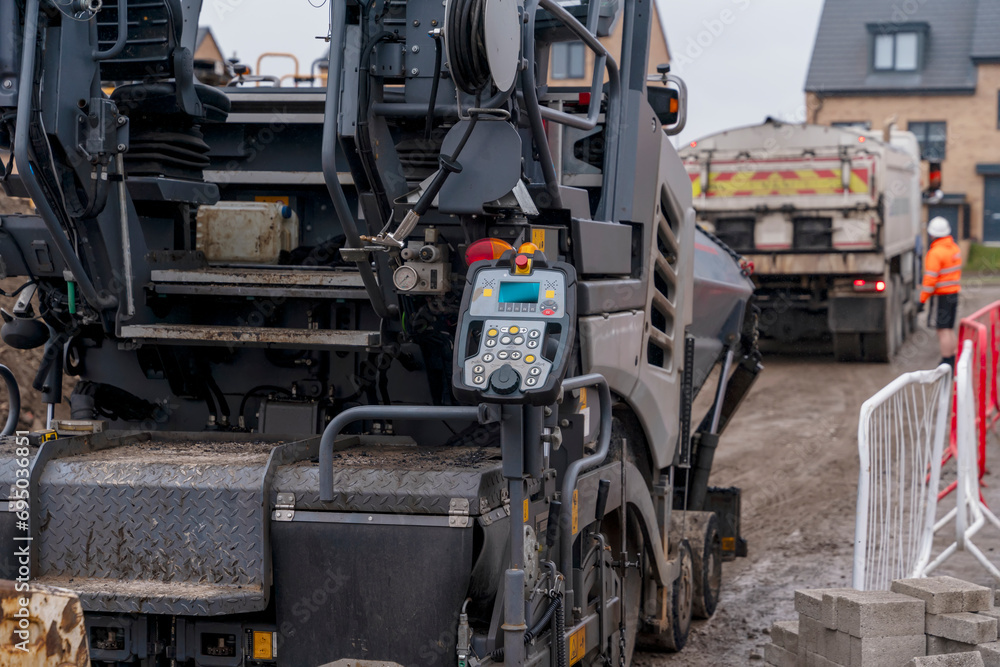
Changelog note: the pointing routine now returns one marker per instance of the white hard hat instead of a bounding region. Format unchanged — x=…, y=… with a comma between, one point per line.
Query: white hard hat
x=938, y=227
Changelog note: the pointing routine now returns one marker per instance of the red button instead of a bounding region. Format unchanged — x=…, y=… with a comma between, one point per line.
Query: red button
x=548, y=311
x=521, y=261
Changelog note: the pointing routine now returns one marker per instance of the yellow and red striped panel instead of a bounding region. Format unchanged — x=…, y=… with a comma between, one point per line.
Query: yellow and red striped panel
x=781, y=183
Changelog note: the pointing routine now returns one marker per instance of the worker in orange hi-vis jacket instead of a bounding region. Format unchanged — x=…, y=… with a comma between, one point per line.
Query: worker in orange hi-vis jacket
x=943, y=282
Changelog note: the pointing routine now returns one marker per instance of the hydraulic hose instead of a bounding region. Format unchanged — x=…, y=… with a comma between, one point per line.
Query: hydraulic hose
x=467, y=56
x=14, y=400
x=434, y=87
x=546, y=618
x=554, y=609
x=220, y=400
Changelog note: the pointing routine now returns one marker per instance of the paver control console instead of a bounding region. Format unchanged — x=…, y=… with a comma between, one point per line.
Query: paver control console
x=516, y=329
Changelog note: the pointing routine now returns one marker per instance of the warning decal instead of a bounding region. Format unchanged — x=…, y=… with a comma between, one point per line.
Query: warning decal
x=775, y=183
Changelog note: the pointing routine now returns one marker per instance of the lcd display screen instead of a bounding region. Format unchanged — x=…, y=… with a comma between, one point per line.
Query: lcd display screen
x=518, y=292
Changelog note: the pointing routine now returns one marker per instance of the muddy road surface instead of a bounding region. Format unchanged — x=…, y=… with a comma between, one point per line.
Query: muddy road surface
x=793, y=450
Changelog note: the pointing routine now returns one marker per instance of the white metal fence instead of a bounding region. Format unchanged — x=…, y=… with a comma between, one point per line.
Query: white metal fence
x=970, y=513
x=900, y=441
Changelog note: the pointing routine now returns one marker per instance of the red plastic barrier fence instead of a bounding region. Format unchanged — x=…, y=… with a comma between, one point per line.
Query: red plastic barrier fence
x=983, y=329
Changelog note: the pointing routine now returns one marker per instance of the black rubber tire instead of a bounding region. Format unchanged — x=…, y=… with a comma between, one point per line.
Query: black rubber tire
x=631, y=587
x=675, y=637
x=879, y=347
x=876, y=347
x=898, y=313
x=707, y=560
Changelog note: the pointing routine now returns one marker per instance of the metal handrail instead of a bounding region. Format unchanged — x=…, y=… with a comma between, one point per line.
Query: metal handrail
x=484, y=414
x=122, y=37
x=331, y=113
x=574, y=470
x=603, y=60
x=28, y=174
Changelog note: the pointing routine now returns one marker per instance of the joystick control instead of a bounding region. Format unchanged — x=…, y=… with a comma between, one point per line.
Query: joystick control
x=505, y=380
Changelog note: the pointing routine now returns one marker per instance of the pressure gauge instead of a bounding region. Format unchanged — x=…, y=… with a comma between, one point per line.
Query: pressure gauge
x=405, y=278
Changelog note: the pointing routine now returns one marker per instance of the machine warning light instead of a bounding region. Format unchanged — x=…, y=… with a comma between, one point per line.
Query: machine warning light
x=486, y=249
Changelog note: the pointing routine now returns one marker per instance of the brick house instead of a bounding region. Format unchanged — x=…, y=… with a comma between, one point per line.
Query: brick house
x=930, y=67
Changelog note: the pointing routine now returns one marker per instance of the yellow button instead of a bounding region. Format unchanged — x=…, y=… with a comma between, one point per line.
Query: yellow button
x=530, y=359
x=514, y=330
x=487, y=292
x=492, y=333
x=550, y=294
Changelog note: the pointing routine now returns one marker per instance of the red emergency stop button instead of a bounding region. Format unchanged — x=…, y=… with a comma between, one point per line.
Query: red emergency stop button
x=521, y=261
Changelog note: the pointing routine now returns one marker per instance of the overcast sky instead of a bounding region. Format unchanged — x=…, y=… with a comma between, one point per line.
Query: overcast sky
x=743, y=60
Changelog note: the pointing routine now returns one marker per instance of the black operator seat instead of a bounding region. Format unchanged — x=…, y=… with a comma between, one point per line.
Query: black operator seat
x=158, y=60
x=157, y=89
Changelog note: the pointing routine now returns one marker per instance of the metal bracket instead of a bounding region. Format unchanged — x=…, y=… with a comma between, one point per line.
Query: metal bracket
x=489, y=518
x=13, y=504
x=458, y=513
x=361, y=254
x=104, y=131
x=284, y=507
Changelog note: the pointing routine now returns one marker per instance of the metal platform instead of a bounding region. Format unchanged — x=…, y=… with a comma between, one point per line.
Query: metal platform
x=184, y=334
x=400, y=479
x=260, y=282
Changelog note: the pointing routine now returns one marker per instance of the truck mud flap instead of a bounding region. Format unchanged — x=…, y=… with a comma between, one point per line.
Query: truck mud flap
x=857, y=315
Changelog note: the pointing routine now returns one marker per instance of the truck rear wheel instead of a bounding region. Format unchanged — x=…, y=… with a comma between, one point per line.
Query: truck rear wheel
x=701, y=530
x=880, y=347
x=679, y=608
x=708, y=571
x=898, y=312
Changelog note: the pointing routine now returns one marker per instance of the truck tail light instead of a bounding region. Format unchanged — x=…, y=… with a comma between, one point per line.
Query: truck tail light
x=861, y=285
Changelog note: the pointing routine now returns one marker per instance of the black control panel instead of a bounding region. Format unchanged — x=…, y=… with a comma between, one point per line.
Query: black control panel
x=516, y=330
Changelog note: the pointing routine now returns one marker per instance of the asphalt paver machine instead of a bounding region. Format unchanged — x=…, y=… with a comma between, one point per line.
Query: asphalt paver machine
x=369, y=370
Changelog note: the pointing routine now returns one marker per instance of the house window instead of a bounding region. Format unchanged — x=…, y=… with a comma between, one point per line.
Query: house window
x=568, y=60
x=897, y=52
x=853, y=124
x=932, y=138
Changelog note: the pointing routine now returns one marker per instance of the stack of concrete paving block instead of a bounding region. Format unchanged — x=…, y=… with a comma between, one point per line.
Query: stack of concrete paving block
x=950, y=620
x=961, y=617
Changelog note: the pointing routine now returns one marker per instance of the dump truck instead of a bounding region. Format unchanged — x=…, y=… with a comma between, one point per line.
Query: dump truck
x=360, y=378
x=830, y=217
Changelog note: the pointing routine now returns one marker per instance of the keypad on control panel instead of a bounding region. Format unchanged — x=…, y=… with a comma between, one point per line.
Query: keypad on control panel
x=514, y=343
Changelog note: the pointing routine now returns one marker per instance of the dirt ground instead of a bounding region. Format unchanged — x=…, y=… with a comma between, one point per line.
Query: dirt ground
x=793, y=450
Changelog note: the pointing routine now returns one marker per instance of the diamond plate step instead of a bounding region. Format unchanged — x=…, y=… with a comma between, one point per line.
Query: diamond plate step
x=160, y=526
